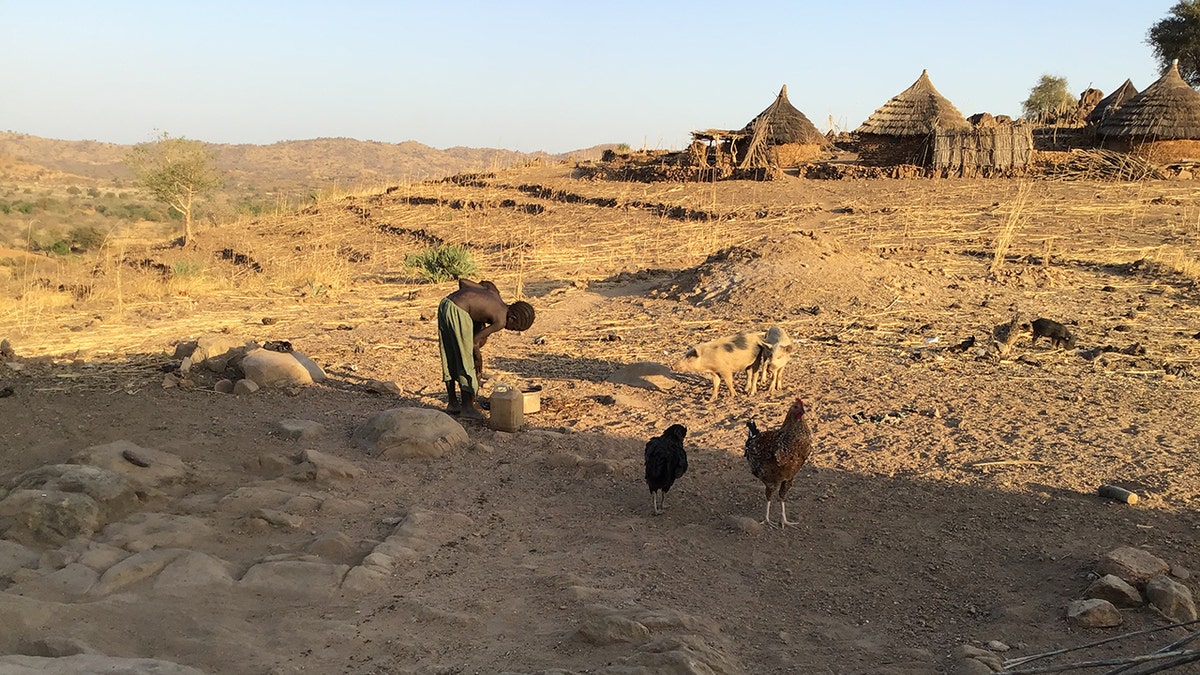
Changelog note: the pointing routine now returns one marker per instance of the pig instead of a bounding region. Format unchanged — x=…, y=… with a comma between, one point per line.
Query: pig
x=773, y=355
x=721, y=358
x=1058, y=333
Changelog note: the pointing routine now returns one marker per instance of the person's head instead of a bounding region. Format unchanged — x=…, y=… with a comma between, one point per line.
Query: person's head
x=520, y=316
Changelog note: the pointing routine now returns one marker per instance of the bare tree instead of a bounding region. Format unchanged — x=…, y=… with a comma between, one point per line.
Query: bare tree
x=177, y=171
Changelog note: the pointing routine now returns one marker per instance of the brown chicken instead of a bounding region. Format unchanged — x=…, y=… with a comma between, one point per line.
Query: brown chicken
x=776, y=455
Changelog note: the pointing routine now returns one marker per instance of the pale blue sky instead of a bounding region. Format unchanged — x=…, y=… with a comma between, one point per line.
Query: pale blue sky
x=533, y=75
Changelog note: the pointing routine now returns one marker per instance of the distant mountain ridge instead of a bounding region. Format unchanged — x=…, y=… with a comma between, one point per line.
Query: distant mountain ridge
x=312, y=163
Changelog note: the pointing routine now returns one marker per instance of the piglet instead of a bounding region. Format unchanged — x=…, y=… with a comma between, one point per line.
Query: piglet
x=721, y=358
x=774, y=354
x=1057, y=333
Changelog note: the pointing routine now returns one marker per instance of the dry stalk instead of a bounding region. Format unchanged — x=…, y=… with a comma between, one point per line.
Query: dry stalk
x=1012, y=223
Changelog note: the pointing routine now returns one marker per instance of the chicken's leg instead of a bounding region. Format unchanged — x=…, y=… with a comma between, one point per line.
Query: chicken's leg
x=770, y=493
x=783, y=490
x=654, y=502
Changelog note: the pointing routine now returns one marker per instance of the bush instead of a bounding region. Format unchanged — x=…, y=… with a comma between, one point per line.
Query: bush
x=85, y=238
x=443, y=263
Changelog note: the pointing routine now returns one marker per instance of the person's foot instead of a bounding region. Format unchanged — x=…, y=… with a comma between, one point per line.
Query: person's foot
x=453, y=409
x=472, y=413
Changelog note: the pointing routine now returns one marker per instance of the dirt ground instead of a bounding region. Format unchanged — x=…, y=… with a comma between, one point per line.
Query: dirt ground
x=951, y=498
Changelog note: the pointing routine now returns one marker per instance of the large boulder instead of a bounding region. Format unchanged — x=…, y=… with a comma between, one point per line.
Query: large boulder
x=1172, y=598
x=1132, y=565
x=57, y=502
x=410, y=432
x=268, y=368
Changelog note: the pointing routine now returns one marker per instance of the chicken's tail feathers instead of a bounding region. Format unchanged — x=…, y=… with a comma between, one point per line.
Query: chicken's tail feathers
x=752, y=428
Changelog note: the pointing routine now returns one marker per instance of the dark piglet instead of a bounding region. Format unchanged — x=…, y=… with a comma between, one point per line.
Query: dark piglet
x=1057, y=333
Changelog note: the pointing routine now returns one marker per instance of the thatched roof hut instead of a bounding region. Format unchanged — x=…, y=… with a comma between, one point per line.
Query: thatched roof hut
x=1161, y=124
x=1109, y=104
x=781, y=136
x=898, y=132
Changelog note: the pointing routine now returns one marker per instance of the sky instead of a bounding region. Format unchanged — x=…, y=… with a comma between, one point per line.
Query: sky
x=533, y=75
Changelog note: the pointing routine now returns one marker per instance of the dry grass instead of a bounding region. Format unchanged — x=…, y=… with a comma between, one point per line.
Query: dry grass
x=1013, y=221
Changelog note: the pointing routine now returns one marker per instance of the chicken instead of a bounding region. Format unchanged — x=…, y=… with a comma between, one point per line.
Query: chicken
x=666, y=462
x=776, y=455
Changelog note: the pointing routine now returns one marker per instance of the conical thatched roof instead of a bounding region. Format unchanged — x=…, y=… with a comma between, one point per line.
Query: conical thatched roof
x=785, y=124
x=916, y=111
x=1167, y=110
x=1109, y=104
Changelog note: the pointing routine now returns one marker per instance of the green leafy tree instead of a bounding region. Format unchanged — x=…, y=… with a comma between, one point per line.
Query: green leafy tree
x=178, y=172
x=1178, y=37
x=1048, y=100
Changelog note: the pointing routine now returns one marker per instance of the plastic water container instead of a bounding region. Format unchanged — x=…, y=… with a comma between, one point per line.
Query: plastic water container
x=508, y=408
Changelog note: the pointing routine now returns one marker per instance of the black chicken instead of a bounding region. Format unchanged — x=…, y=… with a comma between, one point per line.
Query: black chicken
x=666, y=462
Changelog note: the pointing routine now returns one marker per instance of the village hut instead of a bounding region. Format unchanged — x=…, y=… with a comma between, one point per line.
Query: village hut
x=1161, y=124
x=899, y=132
x=781, y=136
x=1109, y=104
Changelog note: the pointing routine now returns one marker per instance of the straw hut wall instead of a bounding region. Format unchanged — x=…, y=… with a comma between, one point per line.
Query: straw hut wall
x=780, y=136
x=899, y=132
x=1161, y=124
x=1109, y=104
x=991, y=150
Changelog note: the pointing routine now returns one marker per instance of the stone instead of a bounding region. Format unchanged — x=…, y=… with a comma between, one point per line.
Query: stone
x=403, y=433
x=1132, y=565
x=270, y=369
x=101, y=556
x=135, y=568
x=91, y=663
x=1093, y=613
x=41, y=517
x=254, y=497
x=295, y=578
x=143, y=531
x=335, y=547
x=1180, y=572
x=972, y=666
x=212, y=352
x=330, y=467
x=645, y=375
x=161, y=468
x=1112, y=588
x=55, y=646
x=223, y=386
x=114, y=495
x=245, y=387
x=612, y=629
x=1171, y=597
x=191, y=570
x=14, y=556
x=68, y=583
x=300, y=430
x=314, y=371
x=280, y=519
x=383, y=387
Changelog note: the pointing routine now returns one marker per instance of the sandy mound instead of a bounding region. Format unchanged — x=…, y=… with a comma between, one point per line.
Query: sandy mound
x=806, y=272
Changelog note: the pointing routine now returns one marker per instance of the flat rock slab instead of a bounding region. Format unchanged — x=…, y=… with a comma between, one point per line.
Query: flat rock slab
x=295, y=578
x=127, y=459
x=90, y=663
x=144, y=531
x=402, y=433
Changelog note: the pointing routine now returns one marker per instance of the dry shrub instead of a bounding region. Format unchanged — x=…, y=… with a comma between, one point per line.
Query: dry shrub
x=1171, y=260
x=1012, y=222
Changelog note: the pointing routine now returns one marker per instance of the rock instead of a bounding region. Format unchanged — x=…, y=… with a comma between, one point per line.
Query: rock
x=212, y=352
x=1093, y=613
x=269, y=369
x=91, y=663
x=161, y=468
x=612, y=629
x=245, y=387
x=295, y=578
x=402, y=433
x=1181, y=572
x=280, y=519
x=101, y=556
x=382, y=387
x=330, y=467
x=14, y=556
x=744, y=524
x=248, y=499
x=54, y=646
x=113, y=494
x=223, y=386
x=644, y=374
x=135, y=568
x=48, y=516
x=314, y=371
x=1171, y=597
x=191, y=570
x=300, y=430
x=144, y=531
x=6, y=350
x=1110, y=587
x=996, y=646
x=335, y=547
x=973, y=667
x=1132, y=565
x=69, y=583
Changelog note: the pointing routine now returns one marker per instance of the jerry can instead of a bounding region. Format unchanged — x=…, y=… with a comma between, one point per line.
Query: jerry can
x=508, y=408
